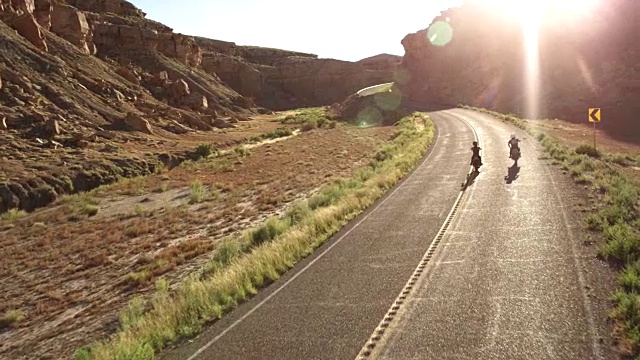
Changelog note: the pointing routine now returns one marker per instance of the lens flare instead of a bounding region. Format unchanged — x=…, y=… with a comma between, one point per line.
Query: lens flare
x=440, y=33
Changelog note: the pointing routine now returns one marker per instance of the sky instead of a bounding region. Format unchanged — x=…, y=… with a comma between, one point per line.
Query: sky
x=339, y=29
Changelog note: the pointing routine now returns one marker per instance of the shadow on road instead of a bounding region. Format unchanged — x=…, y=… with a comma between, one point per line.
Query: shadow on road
x=514, y=172
x=471, y=178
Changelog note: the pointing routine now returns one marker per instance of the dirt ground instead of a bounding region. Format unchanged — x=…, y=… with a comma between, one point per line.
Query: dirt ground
x=71, y=274
x=574, y=135
x=577, y=134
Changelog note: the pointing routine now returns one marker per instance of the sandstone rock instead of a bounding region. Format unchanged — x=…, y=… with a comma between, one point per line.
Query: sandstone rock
x=42, y=13
x=110, y=37
x=72, y=25
x=106, y=134
x=242, y=77
x=52, y=127
x=120, y=96
x=23, y=6
x=55, y=145
x=161, y=78
x=196, y=123
x=83, y=144
x=179, y=90
x=180, y=47
x=16, y=78
x=137, y=123
x=179, y=128
x=196, y=102
x=27, y=26
x=128, y=74
x=119, y=7
x=221, y=124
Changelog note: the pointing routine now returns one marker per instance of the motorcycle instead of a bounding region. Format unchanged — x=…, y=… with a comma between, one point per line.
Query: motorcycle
x=515, y=153
x=475, y=161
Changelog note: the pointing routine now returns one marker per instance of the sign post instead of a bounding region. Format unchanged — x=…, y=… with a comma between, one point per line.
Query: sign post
x=594, y=117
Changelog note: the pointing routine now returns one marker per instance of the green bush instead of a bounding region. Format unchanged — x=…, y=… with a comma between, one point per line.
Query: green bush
x=204, y=150
x=587, y=150
x=269, y=231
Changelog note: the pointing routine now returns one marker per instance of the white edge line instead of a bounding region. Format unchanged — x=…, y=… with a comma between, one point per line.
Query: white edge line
x=257, y=306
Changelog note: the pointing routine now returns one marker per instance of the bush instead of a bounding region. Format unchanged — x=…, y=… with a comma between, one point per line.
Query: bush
x=299, y=212
x=310, y=125
x=269, y=231
x=278, y=133
x=196, y=192
x=587, y=150
x=242, y=151
x=12, y=215
x=204, y=150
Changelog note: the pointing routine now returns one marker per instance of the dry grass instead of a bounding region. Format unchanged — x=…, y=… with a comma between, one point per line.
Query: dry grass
x=262, y=254
x=87, y=258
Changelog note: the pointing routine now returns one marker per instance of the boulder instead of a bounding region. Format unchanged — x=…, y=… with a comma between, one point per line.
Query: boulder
x=137, y=123
x=197, y=102
x=52, y=127
x=128, y=74
x=221, y=124
x=179, y=90
x=27, y=26
x=23, y=6
x=196, y=123
x=72, y=25
x=42, y=13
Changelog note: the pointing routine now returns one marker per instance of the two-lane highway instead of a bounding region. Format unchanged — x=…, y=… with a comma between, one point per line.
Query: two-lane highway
x=506, y=280
x=326, y=307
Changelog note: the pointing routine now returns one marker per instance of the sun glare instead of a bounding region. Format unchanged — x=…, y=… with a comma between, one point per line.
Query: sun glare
x=524, y=10
x=531, y=14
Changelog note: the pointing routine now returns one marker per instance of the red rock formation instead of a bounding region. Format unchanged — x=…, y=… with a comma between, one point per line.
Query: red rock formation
x=72, y=25
x=586, y=62
x=27, y=26
x=42, y=13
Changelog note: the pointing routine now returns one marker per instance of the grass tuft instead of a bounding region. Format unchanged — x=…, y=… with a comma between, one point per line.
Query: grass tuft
x=196, y=192
x=11, y=318
x=13, y=215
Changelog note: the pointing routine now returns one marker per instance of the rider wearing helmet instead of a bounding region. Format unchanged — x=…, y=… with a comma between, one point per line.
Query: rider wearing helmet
x=476, y=153
x=513, y=144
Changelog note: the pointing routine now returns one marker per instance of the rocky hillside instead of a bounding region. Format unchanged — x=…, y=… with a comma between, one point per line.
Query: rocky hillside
x=584, y=62
x=279, y=79
x=82, y=79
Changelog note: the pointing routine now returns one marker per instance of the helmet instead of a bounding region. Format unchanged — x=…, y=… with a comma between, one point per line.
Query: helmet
x=513, y=136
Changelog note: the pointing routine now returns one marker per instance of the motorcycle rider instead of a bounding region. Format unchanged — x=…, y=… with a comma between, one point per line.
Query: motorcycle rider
x=476, y=153
x=513, y=144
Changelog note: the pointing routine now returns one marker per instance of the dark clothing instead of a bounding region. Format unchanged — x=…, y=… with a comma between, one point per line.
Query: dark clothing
x=476, y=153
x=476, y=150
x=513, y=143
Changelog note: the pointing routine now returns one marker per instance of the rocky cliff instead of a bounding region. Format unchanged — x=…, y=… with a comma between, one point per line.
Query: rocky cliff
x=80, y=77
x=279, y=79
x=590, y=61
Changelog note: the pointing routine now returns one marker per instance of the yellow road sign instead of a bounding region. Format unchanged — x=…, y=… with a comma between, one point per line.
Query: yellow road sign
x=594, y=115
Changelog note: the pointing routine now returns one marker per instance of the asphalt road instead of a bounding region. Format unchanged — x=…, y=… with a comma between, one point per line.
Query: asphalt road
x=327, y=306
x=508, y=279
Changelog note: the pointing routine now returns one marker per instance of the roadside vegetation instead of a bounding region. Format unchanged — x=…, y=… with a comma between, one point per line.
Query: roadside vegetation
x=310, y=118
x=242, y=264
x=616, y=217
